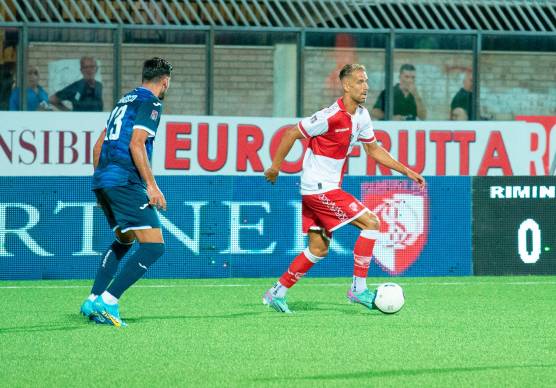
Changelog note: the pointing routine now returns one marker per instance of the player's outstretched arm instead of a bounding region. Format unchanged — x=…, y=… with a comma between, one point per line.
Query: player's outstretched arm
x=286, y=143
x=97, y=148
x=139, y=155
x=375, y=151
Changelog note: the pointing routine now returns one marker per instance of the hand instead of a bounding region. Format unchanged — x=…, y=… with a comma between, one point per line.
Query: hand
x=413, y=90
x=416, y=177
x=156, y=198
x=271, y=174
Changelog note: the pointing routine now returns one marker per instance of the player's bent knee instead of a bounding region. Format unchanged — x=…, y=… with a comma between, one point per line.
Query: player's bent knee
x=372, y=222
x=315, y=255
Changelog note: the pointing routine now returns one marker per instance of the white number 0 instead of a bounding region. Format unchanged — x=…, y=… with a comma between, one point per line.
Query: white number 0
x=529, y=225
x=115, y=123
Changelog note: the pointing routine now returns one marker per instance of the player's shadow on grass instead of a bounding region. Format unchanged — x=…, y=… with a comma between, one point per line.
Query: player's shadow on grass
x=144, y=318
x=406, y=372
x=33, y=328
x=344, y=308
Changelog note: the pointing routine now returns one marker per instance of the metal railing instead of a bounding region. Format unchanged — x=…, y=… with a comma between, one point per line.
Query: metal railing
x=430, y=15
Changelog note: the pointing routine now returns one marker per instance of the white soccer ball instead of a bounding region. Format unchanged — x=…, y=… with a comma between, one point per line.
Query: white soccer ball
x=389, y=298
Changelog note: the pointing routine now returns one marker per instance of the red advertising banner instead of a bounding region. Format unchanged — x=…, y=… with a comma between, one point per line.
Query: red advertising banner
x=60, y=144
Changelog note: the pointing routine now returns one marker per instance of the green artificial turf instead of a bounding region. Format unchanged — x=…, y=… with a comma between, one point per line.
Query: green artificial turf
x=465, y=331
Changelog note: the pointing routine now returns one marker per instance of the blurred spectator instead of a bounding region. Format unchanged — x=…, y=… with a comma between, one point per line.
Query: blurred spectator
x=462, y=107
x=85, y=95
x=408, y=104
x=37, y=98
x=7, y=82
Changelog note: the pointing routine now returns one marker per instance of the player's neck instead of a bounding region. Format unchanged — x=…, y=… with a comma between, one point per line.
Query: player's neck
x=154, y=88
x=349, y=104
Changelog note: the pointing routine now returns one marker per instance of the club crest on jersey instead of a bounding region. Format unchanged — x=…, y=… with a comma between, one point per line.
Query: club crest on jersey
x=154, y=114
x=403, y=210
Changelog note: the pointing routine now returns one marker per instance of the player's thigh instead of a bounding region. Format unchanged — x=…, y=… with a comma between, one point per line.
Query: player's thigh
x=318, y=242
x=367, y=220
x=153, y=235
x=125, y=238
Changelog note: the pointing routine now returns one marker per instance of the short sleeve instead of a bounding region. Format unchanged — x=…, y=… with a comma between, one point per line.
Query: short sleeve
x=367, y=132
x=148, y=116
x=316, y=124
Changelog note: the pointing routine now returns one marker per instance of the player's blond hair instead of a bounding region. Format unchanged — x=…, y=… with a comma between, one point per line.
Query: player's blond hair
x=348, y=69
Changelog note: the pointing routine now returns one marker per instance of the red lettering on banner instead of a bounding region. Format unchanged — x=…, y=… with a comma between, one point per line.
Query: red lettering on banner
x=46, y=147
x=495, y=156
x=548, y=122
x=420, y=150
x=250, y=139
x=384, y=139
x=221, y=148
x=464, y=138
x=88, y=147
x=8, y=150
x=288, y=167
x=62, y=147
x=174, y=144
x=440, y=138
x=28, y=146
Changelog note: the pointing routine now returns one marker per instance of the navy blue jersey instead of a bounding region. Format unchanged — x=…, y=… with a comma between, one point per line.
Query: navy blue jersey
x=140, y=109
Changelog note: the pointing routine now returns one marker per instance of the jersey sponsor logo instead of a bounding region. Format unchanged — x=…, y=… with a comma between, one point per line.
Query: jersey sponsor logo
x=154, y=114
x=127, y=99
x=342, y=130
x=403, y=210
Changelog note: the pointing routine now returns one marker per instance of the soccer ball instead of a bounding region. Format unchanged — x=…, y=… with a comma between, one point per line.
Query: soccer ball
x=389, y=298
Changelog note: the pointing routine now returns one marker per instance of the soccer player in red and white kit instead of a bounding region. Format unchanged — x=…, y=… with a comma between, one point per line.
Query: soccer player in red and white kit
x=332, y=132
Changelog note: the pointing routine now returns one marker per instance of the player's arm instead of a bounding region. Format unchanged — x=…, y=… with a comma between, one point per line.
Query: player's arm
x=97, y=148
x=286, y=143
x=139, y=155
x=378, y=153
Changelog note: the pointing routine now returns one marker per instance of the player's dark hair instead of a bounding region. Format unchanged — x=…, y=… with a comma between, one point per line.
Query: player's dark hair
x=407, y=67
x=348, y=69
x=155, y=68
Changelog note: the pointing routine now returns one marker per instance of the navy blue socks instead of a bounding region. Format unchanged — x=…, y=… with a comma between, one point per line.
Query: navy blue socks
x=135, y=267
x=109, y=265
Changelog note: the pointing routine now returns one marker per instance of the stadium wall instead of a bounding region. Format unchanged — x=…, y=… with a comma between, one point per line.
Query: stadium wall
x=504, y=75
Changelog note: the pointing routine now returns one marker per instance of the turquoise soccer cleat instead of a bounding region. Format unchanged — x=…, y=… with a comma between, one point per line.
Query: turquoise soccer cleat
x=87, y=309
x=278, y=304
x=366, y=298
x=107, y=313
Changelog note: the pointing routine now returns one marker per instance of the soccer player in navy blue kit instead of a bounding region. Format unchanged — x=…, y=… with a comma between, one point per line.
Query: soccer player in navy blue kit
x=127, y=192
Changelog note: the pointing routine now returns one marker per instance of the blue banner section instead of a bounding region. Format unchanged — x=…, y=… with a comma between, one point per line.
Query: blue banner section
x=230, y=226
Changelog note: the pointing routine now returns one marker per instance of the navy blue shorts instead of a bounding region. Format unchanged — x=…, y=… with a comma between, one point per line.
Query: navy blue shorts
x=127, y=208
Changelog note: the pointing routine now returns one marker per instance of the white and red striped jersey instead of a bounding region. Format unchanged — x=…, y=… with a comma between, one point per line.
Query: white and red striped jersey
x=332, y=133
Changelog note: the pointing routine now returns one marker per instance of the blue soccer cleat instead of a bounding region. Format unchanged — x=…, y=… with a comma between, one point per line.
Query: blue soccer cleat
x=107, y=313
x=278, y=304
x=87, y=309
x=366, y=298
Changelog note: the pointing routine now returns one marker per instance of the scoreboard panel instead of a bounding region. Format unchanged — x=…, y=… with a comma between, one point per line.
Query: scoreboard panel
x=514, y=225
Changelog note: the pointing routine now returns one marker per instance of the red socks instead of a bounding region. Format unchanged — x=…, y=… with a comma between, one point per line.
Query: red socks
x=298, y=267
x=363, y=252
